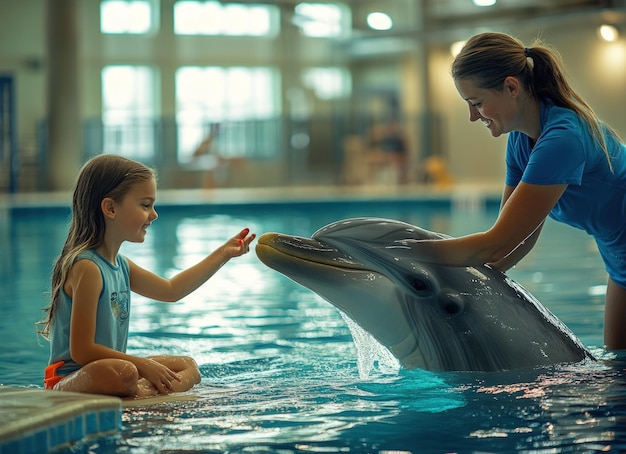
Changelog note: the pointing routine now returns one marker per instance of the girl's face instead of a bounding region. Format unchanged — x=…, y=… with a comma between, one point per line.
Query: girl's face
x=136, y=211
x=495, y=109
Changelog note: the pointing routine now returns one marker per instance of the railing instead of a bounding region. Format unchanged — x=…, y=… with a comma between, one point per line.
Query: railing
x=333, y=150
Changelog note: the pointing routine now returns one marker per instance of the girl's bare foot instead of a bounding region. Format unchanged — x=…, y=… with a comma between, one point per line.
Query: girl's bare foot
x=145, y=389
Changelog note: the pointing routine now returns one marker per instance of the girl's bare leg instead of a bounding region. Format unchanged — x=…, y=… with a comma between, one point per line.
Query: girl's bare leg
x=113, y=377
x=116, y=377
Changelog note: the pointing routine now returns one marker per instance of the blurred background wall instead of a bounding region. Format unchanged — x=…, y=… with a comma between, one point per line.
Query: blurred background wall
x=273, y=93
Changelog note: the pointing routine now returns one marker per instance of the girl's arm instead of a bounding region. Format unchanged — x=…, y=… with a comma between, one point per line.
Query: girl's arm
x=521, y=217
x=84, y=285
x=153, y=286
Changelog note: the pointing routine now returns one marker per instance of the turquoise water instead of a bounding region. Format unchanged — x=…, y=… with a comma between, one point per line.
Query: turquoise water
x=281, y=370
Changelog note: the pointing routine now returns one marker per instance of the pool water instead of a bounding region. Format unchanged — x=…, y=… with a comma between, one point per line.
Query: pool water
x=281, y=370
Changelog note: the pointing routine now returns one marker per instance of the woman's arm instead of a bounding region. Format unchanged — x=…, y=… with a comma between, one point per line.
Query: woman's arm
x=519, y=253
x=153, y=286
x=523, y=249
x=520, y=220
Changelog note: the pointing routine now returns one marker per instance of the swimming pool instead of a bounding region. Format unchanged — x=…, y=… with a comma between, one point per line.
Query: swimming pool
x=281, y=371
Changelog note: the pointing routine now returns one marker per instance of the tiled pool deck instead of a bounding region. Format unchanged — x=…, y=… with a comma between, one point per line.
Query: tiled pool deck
x=33, y=420
x=38, y=421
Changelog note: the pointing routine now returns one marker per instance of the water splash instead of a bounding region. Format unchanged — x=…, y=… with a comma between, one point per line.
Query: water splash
x=370, y=353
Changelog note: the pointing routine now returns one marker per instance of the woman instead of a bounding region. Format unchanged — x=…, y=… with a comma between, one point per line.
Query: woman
x=561, y=161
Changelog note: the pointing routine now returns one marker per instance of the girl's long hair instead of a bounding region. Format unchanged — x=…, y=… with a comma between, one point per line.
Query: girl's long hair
x=489, y=58
x=105, y=176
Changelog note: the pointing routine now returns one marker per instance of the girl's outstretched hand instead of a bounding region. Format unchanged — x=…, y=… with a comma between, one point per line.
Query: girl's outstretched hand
x=240, y=243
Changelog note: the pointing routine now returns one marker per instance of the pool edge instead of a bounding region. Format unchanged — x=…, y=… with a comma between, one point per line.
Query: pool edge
x=278, y=195
x=33, y=420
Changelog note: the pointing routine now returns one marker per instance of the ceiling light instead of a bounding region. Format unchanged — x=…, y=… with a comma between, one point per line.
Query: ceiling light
x=484, y=2
x=608, y=33
x=456, y=47
x=379, y=21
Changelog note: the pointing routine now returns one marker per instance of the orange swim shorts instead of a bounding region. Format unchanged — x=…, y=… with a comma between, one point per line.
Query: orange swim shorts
x=50, y=377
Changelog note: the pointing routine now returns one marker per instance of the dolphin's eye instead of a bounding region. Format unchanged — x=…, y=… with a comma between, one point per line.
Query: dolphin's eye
x=451, y=304
x=421, y=286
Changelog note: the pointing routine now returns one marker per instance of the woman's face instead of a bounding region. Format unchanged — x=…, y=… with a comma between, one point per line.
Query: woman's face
x=497, y=110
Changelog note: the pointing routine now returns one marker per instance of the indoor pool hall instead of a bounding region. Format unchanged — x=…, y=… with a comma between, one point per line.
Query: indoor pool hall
x=382, y=227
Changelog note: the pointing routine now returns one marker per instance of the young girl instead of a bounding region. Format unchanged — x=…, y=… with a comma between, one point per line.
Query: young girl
x=561, y=161
x=87, y=320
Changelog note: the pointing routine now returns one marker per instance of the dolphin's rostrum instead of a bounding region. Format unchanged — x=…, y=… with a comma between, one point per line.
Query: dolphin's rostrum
x=429, y=316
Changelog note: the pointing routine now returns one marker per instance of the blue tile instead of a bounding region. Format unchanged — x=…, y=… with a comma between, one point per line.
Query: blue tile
x=76, y=429
x=10, y=447
x=27, y=445
x=110, y=420
x=58, y=435
x=40, y=440
x=70, y=430
x=91, y=423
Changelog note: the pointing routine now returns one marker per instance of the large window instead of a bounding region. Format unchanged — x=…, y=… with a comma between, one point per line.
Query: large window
x=129, y=111
x=216, y=18
x=243, y=101
x=321, y=20
x=328, y=82
x=129, y=16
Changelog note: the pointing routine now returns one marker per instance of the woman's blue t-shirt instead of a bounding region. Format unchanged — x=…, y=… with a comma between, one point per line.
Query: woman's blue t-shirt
x=595, y=198
x=566, y=153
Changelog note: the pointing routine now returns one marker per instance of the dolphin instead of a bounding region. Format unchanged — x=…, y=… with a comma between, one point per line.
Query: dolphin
x=429, y=316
